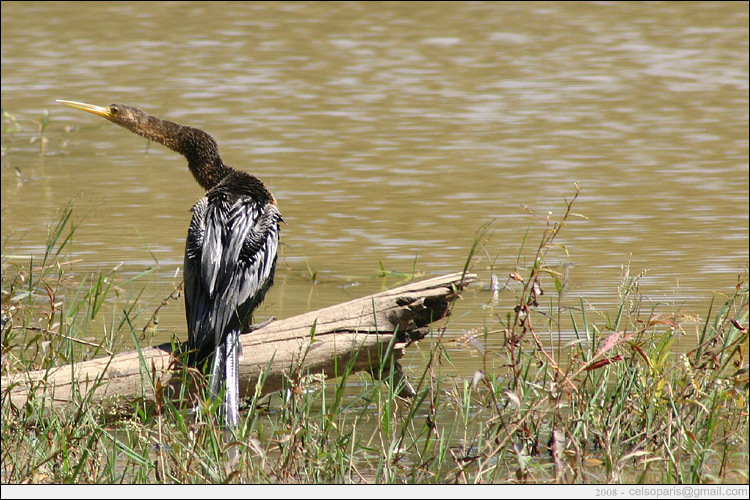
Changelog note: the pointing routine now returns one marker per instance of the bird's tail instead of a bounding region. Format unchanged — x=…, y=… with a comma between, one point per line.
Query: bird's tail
x=226, y=367
x=232, y=394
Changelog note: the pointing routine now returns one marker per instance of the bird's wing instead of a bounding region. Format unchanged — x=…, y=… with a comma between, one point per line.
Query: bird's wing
x=247, y=264
x=238, y=242
x=197, y=300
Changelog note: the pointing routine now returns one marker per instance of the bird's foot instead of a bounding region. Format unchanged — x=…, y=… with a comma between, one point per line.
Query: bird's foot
x=260, y=325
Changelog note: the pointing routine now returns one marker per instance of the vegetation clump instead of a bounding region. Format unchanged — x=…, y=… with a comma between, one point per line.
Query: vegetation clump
x=560, y=394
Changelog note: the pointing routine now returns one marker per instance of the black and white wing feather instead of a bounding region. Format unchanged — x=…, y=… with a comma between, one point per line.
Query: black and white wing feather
x=230, y=259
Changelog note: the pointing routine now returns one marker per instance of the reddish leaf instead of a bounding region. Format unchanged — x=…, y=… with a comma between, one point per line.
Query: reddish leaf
x=603, y=362
x=610, y=342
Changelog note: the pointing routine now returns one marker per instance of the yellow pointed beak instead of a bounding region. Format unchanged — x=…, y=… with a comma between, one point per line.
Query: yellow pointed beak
x=97, y=110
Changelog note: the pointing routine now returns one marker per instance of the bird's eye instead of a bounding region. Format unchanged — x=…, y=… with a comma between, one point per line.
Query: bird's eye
x=114, y=109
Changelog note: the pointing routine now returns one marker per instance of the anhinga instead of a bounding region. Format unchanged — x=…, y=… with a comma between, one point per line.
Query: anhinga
x=230, y=252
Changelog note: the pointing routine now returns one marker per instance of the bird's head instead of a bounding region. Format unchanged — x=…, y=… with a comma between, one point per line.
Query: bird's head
x=126, y=116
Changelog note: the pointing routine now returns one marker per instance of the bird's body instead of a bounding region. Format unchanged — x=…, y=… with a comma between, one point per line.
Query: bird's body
x=230, y=252
x=230, y=259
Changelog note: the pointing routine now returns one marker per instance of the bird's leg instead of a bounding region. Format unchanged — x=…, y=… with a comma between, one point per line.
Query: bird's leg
x=262, y=324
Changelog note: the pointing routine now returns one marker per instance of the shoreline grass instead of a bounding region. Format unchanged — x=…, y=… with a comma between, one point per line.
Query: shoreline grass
x=614, y=404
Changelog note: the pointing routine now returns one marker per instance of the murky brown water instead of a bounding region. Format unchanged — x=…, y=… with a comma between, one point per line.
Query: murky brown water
x=390, y=132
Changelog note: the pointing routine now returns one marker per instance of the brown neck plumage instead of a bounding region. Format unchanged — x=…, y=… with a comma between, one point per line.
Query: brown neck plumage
x=197, y=146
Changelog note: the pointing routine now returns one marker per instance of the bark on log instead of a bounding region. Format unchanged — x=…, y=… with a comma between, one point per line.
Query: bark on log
x=361, y=332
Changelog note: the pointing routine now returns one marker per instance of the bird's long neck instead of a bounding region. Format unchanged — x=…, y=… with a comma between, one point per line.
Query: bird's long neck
x=197, y=146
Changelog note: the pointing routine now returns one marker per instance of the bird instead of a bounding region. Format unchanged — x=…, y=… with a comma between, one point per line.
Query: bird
x=230, y=250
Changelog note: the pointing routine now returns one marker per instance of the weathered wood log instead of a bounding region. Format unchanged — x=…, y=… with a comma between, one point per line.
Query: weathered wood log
x=362, y=332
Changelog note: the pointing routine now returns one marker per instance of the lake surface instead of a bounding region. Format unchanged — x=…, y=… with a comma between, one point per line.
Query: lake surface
x=390, y=133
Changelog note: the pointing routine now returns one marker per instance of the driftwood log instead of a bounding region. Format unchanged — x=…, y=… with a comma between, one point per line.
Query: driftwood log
x=366, y=333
